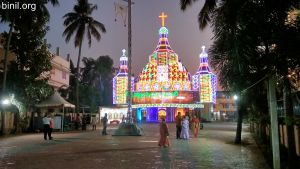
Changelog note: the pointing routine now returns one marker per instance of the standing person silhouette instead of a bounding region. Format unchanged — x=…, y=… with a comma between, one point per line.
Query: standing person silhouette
x=104, y=122
x=94, y=122
x=178, y=120
x=51, y=127
x=46, y=123
x=185, y=129
x=195, y=126
x=164, y=134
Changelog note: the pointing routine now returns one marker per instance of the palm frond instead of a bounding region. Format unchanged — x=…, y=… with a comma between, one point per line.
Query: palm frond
x=204, y=15
x=70, y=17
x=79, y=34
x=94, y=31
x=70, y=30
x=89, y=36
x=185, y=3
x=92, y=8
x=99, y=25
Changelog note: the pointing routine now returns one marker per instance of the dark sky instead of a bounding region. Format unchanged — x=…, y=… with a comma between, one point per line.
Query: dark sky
x=184, y=35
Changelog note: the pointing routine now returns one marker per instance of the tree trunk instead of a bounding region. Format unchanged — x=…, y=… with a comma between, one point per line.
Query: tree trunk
x=77, y=78
x=288, y=110
x=6, y=57
x=238, y=136
x=5, y=74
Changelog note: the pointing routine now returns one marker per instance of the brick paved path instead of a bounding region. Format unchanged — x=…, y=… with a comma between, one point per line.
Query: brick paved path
x=213, y=148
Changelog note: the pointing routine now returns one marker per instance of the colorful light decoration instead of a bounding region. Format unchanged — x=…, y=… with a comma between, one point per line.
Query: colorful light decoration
x=164, y=71
x=204, y=80
x=164, y=85
x=195, y=105
x=120, y=82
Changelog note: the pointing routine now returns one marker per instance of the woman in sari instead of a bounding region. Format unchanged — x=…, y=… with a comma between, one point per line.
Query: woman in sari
x=164, y=133
x=195, y=125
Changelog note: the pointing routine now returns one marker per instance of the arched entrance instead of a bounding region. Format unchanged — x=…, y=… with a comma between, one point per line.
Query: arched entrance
x=162, y=113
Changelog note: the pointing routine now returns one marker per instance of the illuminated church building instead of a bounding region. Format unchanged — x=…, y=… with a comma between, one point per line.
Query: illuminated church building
x=165, y=87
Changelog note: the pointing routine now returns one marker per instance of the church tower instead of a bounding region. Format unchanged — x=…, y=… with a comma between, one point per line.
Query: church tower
x=120, y=81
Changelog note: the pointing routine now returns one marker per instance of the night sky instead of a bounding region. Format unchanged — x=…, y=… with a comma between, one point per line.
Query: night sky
x=184, y=35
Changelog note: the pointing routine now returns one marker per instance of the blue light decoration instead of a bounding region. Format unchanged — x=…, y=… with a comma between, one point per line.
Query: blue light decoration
x=204, y=80
x=120, y=82
x=139, y=114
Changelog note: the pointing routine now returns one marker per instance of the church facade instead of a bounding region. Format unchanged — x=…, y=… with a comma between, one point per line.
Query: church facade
x=165, y=87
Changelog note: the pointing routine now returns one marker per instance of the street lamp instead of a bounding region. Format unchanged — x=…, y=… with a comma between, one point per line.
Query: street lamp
x=5, y=102
x=235, y=97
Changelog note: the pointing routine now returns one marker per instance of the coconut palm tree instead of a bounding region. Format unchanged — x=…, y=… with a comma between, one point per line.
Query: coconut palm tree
x=80, y=22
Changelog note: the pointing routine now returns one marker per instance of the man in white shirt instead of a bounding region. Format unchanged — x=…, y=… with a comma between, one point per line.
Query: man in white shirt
x=46, y=122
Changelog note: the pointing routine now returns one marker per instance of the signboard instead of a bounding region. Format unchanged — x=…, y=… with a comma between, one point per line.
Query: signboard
x=182, y=97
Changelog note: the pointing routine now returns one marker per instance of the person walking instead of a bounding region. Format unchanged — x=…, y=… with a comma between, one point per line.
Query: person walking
x=178, y=120
x=77, y=121
x=46, y=123
x=185, y=129
x=195, y=125
x=51, y=127
x=164, y=134
x=104, y=122
x=93, y=121
x=123, y=119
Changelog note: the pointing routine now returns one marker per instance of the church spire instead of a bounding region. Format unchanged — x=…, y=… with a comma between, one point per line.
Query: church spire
x=203, y=67
x=123, y=63
x=163, y=44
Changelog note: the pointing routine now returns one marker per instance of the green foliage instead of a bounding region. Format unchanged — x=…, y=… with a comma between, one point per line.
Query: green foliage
x=27, y=78
x=80, y=22
x=37, y=91
x=89, y=96
x=98, y=73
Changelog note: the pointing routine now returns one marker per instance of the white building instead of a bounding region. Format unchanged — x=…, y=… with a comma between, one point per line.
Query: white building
x=60, y=73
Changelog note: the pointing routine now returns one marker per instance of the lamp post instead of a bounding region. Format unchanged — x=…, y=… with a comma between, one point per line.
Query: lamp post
x=4, y=102
x=128, y=129
x=129, y=64
x=235, y=98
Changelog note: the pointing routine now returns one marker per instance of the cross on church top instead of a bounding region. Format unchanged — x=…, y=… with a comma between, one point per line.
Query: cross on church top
x=123, y=52
x=163, y=16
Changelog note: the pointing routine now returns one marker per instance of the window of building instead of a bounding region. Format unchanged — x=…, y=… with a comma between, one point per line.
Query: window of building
x=64, y=75
x=52, y=71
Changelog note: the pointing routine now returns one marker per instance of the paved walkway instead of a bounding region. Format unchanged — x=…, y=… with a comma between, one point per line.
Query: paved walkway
x=213, y=148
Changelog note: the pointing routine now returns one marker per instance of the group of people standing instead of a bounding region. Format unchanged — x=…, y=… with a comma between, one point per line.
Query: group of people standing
x=183, y=124
x=48, y=126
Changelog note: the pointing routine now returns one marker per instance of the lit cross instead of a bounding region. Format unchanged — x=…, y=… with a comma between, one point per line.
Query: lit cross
x=203, y=48
x=123, y=52
x=163, y=16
